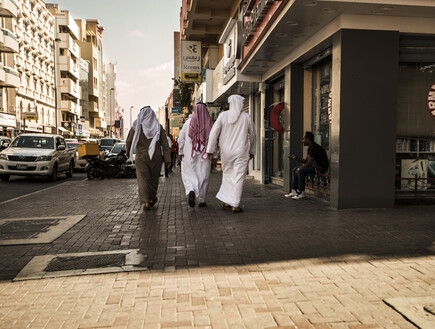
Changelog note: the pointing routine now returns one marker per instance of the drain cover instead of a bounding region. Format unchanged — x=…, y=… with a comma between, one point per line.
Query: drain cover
x=85, y=262
x=25, y=229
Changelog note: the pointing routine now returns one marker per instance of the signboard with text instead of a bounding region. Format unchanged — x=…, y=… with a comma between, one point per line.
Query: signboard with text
x=190, y=61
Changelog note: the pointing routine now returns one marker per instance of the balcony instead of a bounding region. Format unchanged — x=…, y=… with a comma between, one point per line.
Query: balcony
x=8, y=8
x=12, y=78
x=69, y=106
x=2, y=74
x=68, y=65
x=8, y=42
x=68, y=86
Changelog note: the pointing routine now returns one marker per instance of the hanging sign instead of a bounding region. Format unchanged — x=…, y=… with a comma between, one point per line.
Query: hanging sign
x=330, y=107
x=431, y=101
x=191, y=61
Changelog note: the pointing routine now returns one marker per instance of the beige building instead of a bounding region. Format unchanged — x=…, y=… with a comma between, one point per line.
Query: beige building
x=9, y=78
x=67, y=75
x=34, y=99
x=91, y=44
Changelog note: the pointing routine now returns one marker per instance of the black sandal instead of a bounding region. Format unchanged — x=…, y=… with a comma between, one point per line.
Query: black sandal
x=225, y=206
x=236, y=209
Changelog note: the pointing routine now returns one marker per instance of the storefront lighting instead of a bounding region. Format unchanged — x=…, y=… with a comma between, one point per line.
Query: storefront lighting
x=329, y=10
x=310, y=3
x=291, y=23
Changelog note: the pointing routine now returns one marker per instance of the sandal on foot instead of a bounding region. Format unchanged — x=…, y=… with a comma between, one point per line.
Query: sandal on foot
x=236, y=209
x=225, y=206
x=191, y=199
x=146, y=207
x=153, y=202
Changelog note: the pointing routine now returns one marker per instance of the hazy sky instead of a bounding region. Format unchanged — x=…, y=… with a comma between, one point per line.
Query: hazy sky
x=138, y=38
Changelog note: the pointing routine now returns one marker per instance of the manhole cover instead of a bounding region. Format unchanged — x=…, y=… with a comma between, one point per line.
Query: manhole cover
x=85, y=262
x=25, y=229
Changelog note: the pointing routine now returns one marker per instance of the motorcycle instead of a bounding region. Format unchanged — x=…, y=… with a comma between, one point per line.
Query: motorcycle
x=111, y=167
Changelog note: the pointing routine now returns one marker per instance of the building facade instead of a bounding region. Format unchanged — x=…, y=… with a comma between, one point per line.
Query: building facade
x=67, y=71
x=359, y=75
x=9, y=78
x=34, y=94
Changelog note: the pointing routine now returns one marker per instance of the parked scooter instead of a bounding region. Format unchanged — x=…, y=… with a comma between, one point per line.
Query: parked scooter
x=112, y=167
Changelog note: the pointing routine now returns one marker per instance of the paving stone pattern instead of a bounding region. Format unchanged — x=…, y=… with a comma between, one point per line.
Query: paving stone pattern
x=279, y=264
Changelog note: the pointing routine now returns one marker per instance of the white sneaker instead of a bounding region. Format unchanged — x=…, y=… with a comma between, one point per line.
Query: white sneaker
x=291, y=194
x=299, y=196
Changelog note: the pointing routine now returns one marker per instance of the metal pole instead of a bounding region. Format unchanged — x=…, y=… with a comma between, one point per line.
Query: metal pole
x=110, y=111
x=131, y=116
x=55, y=84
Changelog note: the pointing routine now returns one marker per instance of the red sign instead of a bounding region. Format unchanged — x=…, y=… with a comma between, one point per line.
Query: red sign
x=431, y=101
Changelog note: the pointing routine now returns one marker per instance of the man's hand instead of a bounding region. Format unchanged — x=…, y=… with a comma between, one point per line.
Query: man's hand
x=292, y=156
x=180, y=157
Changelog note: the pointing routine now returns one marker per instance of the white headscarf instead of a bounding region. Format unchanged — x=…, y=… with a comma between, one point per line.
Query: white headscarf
x=150, y=126
x=236, y=107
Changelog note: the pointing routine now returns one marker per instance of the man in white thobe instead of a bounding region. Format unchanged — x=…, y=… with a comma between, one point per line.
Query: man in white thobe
x=237, y=141
x=195, y=165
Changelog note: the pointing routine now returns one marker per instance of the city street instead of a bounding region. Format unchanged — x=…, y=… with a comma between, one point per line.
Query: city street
x=83, y=254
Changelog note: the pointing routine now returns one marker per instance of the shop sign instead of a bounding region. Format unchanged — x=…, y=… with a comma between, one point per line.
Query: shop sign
x=431, y=101
x=254, y=19
x=190, y=61
x=30, y=115
x=330, y=106
x=8, y=120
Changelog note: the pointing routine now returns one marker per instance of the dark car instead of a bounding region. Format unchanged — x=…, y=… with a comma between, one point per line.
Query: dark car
x=107, y=143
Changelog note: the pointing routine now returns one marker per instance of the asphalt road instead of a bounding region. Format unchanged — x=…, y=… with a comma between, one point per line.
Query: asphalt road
x=18, y=186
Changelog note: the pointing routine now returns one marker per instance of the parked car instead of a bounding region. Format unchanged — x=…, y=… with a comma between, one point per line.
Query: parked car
x=80, y=163
x=37, y=155
x=107, y=143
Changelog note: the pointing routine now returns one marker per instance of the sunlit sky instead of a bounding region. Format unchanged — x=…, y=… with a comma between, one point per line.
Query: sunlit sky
x=138, y=38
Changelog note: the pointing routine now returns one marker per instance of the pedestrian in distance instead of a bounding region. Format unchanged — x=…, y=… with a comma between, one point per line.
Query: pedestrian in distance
x=174, y=153
x=167, y=168
x=316, y=161
x=235, y=133
x=149, y=138
x=192, y=147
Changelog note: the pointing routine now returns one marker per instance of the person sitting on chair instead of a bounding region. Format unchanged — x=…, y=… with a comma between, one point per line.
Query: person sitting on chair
x=316, y=161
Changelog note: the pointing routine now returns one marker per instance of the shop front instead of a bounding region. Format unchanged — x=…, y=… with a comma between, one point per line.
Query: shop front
x=415, y=144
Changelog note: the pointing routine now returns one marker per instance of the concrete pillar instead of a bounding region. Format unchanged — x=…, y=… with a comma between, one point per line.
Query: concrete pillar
x=363, y=130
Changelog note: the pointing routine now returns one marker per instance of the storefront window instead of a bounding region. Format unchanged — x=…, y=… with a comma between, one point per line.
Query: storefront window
x=322, y=103
x=415, y=146
x=275, y=154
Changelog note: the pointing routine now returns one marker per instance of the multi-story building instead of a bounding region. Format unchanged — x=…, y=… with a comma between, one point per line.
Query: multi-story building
x=67, y=56
x=358, y=74
x=91, y=45
x=112, y=115
x=34, y=94
x=9, y=79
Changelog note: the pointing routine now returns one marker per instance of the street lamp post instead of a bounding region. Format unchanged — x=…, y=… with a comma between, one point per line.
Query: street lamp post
x=131, y=117
x=55, y=83
x=110, y=111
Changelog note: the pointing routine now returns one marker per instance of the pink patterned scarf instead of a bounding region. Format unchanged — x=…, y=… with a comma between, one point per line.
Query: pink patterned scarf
x=199, y=130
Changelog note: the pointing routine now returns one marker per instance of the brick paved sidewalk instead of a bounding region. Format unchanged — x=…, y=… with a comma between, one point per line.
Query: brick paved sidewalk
x=279, y=264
